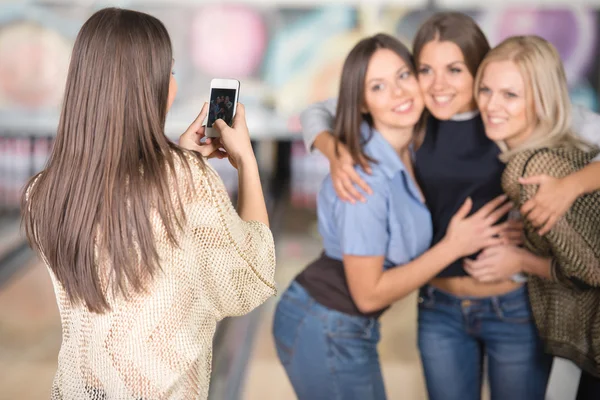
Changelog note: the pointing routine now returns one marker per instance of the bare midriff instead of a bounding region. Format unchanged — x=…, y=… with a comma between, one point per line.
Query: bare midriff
x=467, y=286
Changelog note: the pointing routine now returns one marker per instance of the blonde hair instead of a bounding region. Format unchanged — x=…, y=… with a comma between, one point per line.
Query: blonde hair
x=545, y=84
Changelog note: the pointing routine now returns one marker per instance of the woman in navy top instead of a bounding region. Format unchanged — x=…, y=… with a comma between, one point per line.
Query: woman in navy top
x=325, y=326
x=461, y=320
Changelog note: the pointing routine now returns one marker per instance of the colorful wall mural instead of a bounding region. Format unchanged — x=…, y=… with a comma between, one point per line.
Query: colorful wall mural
x=285, y=57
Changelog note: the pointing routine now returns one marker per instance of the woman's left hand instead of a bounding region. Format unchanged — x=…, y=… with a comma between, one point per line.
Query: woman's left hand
x=514, y=233
x=495, y=264
x=192, y=138
x=553, y=198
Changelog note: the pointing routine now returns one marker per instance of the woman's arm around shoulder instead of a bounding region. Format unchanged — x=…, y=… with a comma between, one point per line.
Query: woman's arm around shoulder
x=545, y=208
x=318, y=119
x=317, y=129
x=575, y=238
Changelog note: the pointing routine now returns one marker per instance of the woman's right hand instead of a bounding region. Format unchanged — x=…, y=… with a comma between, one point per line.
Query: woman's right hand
x=343, y=174
x=468, y=235
x=236, y=139
x=192, y=138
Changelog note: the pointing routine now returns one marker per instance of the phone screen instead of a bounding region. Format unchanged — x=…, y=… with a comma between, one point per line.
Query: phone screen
x=221, y=105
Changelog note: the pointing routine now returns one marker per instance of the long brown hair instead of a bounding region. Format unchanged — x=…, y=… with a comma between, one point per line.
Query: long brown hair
x=351, y=96
x=457, y=28
x=110, y=163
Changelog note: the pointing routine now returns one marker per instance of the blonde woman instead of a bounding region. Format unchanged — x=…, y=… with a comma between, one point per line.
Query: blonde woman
x=522, y=94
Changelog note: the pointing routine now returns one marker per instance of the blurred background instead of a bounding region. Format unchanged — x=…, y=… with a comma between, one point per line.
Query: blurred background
x=287, y=54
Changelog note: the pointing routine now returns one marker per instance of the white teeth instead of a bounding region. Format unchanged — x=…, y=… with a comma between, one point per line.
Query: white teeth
x=442, y=99
x=497, y=120
x=403, y=107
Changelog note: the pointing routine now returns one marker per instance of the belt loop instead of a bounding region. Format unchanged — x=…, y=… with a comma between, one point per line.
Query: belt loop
x=372, y=322
x=430, y=291
x=497, y=307
x=428, y=296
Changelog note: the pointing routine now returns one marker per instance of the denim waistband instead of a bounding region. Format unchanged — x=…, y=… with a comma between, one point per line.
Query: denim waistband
x=431, y=293
x=300, y=296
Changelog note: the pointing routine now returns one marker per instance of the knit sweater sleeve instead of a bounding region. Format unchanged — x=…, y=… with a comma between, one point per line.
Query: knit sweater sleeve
x=236, y=257
x=574, y=241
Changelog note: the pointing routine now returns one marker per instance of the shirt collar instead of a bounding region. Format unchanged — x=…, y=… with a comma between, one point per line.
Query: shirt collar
x=465, y=116
x=380, y=150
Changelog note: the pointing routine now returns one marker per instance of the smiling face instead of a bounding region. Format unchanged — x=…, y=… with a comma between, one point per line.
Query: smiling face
x=391, y=93
x=505, y=103
x=445, y=80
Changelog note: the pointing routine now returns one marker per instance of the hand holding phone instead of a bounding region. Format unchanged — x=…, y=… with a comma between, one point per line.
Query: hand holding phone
x=236, y=139
x=224, y=95
x=192, y=138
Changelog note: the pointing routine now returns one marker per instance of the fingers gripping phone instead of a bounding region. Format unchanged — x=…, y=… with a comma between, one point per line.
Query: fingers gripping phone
x=224, y=95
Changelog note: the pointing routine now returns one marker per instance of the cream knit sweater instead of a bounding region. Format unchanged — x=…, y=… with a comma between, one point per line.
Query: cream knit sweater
x=158, y=345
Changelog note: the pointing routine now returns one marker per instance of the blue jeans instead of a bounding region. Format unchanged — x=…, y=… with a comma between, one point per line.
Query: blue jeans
x=455, y=334
x=326, y=354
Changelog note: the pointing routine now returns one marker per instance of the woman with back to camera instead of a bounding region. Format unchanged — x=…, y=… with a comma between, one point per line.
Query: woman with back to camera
x=460, y=319
x=521, y=90
x=326, y=325
x=144, y=248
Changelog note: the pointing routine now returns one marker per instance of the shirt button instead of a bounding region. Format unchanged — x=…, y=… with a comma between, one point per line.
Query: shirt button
x=420, y=299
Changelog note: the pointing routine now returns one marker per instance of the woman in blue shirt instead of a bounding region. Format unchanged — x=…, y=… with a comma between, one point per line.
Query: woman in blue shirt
x=326, y=324
x=461, y=320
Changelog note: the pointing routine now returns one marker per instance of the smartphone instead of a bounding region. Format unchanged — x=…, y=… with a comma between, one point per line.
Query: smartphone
x=224, y=94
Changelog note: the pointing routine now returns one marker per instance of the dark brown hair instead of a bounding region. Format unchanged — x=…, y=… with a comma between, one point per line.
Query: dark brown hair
x=457, y=28
x=110, y=164
x=351, y=96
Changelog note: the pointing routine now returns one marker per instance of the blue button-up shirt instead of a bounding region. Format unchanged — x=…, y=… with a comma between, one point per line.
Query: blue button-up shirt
x=394, y=222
